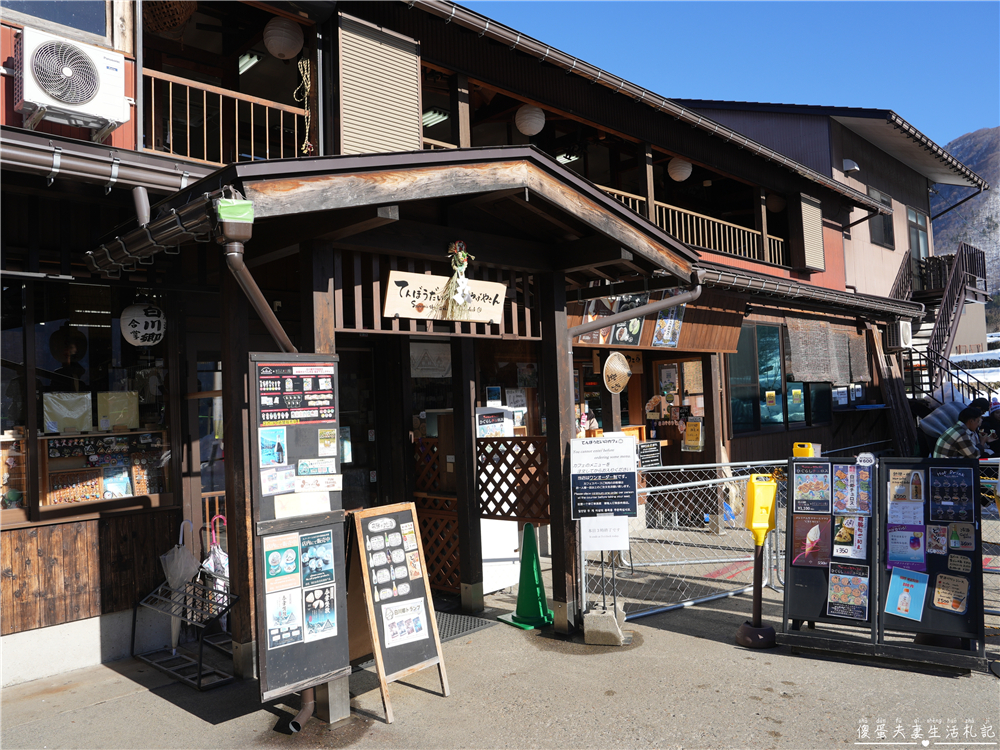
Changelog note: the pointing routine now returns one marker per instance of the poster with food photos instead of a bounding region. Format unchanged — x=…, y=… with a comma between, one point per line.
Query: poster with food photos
x=951, y=593
x=811, y=488
x=850, y=536
x=320, y=607
x=811, y=540
x=952, y=494
x=845, y=488
x=281, y=562
x=847, y=593
x=317, y=558
x=937, y=540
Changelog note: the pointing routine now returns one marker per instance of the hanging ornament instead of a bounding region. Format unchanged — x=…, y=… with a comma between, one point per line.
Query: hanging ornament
x=143, y=325
x=529, y=119
x=283, y=38
x=679, y=169
x=457, y=293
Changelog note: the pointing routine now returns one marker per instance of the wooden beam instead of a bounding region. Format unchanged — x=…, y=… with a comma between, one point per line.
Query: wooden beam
x=590, y=252
x=420, y=240
x=292, y=196
x=316, y=287
x=383, y=215
x=650, y=184
x=570, y=231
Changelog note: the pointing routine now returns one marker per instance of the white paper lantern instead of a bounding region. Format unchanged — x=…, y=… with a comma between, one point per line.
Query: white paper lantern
x=143, y=325
x=775, y=203
x=529, y=120
x=283, y=38
x=678, y=169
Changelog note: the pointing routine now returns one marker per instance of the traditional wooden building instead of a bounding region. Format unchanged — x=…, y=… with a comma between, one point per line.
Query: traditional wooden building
x=369, y=137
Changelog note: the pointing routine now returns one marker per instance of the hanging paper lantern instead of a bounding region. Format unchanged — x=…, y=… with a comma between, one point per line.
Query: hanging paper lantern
x=529, y=120
x=678, y=169
x=775, y=203
x=143, y=325
x=283, y=38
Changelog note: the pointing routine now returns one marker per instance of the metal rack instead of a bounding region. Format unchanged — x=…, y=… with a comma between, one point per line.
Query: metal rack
x=199, y=605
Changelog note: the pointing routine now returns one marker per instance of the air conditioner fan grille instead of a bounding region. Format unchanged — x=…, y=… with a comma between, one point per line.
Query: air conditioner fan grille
x=65, y=72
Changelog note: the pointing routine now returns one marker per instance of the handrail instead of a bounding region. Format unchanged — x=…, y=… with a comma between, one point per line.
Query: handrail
x=902, y=287
x=967, y=384
x=209, y=88
x=950, y=310
x=436, y=144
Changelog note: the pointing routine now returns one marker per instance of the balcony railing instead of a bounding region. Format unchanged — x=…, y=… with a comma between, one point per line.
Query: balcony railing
x=707, y=233
x=210, y=124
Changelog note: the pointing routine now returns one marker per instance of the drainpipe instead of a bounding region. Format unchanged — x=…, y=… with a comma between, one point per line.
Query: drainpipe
x=306, y=712
x=640, y=312
x=234, y=234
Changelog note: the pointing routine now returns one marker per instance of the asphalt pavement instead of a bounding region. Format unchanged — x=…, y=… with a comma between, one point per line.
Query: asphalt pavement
x=681, y=682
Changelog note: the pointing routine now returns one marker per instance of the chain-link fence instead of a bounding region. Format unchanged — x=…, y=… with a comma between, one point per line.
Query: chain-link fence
x=991, y=556
x=687, y=545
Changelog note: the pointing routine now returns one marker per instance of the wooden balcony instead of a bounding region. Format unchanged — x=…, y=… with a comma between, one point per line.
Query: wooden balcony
x=706, y=233
x=212, y=125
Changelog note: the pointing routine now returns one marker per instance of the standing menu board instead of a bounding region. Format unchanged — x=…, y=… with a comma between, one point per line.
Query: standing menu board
x=932, y=562
x=830, y=548
x=389, y=578
x=295, y=486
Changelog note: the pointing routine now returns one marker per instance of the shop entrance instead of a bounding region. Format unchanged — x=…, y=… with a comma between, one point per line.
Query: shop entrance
x=358, y=443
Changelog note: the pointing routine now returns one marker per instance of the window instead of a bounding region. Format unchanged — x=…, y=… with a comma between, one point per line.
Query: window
x=60, y=17
x=759, y=397
x=881, y=226
x=917, y=224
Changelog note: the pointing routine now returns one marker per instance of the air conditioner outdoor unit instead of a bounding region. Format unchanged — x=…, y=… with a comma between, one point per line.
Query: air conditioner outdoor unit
x=899, y=335
x=69, y=83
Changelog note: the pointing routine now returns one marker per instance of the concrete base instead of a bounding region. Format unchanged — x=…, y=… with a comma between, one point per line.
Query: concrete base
x=750, y=637
x=333, y=700
x=45, y=652
x=472, y=598
x=245, y=660
x=603, y=627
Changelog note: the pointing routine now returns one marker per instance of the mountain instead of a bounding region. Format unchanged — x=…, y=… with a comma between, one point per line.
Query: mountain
x=977, y=221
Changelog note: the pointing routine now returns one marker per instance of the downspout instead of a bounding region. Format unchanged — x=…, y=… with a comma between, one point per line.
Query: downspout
x=236, y=224
x=640, y=312
x=306, y=712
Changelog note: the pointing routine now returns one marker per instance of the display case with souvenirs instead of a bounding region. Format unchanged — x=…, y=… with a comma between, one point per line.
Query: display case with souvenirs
x=85, y=468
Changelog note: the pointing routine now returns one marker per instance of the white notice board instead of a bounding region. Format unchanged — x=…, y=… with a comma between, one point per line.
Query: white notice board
x=603, y=476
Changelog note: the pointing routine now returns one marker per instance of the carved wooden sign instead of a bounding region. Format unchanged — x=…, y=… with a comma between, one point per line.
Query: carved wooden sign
x=420, y=296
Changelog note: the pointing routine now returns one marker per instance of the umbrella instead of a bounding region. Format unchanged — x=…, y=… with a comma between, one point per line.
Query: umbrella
x=179, y=566
x=217, y=562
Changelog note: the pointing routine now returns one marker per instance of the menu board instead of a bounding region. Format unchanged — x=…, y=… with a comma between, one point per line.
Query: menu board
x=295, y=488
x=402, y=628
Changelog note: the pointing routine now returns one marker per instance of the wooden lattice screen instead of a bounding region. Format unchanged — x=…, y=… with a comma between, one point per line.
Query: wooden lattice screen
x=427, y=464
x=438, y=519
x=512, y=477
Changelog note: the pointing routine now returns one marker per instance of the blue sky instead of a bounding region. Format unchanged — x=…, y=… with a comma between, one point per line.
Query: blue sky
x=936, y=64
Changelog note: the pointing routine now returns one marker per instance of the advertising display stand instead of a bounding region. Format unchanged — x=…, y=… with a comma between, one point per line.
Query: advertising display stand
x=299, y=573
x=830, y=580
x=390, y=606
x=931, y=600
x=893, y=552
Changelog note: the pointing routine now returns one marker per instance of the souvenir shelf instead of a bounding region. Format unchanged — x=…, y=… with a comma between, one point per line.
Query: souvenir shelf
x=101, y=466
x=12, y=458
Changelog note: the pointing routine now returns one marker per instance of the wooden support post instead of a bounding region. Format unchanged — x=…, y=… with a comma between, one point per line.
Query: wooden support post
x=557, y=366
x=470, y=540
x=316, y=284
x=235, y=366
x=760, y=223
x=713, y=425
x=650, y=184
x=394, y=420
x=461, y=119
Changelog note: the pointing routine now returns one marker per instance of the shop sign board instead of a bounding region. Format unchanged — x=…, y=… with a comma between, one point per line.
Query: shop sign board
x=422, y=297
x=295, y=487
x=603, y=476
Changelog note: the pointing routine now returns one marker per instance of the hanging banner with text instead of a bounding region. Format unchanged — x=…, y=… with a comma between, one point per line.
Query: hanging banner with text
x=421, y=297
x=603, y=476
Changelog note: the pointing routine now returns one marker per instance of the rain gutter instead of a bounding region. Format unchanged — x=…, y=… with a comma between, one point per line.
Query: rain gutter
x=483, y=26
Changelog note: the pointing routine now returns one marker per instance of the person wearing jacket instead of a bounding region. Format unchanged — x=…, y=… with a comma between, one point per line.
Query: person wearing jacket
x=959, y=440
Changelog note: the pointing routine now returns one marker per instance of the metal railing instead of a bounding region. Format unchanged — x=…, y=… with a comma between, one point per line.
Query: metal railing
x=924, y=372
x=209, y=124
x=687, y=544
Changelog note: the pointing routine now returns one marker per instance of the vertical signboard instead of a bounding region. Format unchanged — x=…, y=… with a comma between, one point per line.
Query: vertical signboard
x=295, y=485
x=603, y=476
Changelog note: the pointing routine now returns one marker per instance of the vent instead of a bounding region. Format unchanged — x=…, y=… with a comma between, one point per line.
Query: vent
x=812, y=234
x=65, y=72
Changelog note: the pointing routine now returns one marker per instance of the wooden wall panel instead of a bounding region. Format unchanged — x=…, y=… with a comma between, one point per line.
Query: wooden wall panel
x=60, y=573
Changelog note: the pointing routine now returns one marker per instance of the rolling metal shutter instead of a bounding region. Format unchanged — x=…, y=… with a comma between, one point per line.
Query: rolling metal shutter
x=380, y=90
x=812, y=232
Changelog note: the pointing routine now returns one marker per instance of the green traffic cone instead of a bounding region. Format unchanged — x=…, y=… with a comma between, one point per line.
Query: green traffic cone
x=532, y=605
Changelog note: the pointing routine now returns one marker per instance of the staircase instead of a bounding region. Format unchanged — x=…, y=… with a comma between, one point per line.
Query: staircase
x=946, y=284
